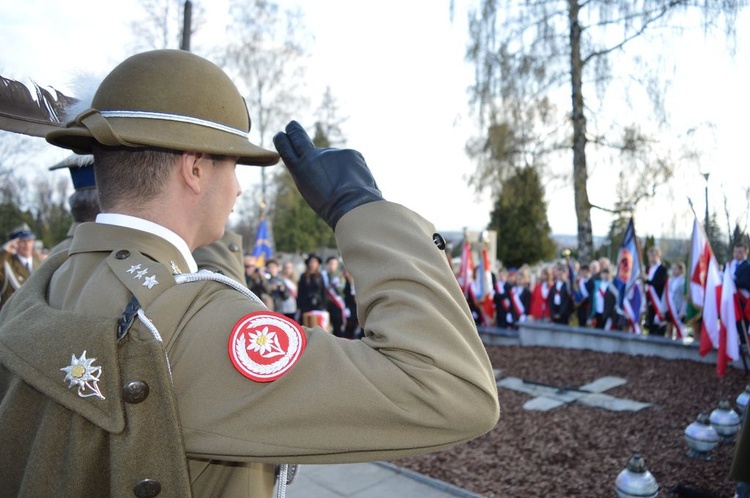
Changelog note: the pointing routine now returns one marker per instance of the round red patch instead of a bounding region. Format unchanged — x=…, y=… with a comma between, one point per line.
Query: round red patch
x=264, y=345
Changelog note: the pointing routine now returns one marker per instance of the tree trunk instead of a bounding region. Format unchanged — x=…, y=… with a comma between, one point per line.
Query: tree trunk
x=580, y=175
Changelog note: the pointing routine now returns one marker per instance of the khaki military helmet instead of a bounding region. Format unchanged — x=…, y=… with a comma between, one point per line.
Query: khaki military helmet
x=170, y=99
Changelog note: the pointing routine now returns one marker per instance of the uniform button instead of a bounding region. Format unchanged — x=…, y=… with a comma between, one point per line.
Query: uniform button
x=123, y=254
x=233, y=247
x=135, y=391
x=147, y=488
x=438, y=240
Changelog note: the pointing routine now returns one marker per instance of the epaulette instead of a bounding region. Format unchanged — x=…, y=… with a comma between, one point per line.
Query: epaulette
x=145, y=278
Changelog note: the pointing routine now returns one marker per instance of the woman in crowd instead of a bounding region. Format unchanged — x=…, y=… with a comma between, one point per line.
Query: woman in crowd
x=289, y=305
x=311, y=288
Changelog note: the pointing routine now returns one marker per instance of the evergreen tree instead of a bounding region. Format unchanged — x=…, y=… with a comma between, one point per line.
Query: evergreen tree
x=11, y=217
x=717, y=240
x=738, y=235
x=616, y=233
x=520, y=219
x=296, y=226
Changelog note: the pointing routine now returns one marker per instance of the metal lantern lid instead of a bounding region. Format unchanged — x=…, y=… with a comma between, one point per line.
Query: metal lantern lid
x=725, y=420
x=635, y=480
x=743, y=399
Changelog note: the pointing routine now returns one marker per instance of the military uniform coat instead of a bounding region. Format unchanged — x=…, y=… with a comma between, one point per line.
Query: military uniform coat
x=740, y=470
x=419, y=381
x=223, y=256
x=13, y=274
x=64, y=244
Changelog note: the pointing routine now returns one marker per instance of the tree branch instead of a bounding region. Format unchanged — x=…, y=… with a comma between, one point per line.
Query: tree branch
x=608, y=210
x=639, y=32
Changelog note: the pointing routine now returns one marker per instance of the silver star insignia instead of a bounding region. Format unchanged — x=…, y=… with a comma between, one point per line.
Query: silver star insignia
x=82, y=373
x=150, y=281
x=140, y=274
x=134, y=268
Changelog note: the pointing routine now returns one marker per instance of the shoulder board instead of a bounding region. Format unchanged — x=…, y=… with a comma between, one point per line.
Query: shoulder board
x=145, y=278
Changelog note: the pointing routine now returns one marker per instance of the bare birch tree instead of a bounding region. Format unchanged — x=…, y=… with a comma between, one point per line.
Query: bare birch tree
x=530, y=56
x=265, y=54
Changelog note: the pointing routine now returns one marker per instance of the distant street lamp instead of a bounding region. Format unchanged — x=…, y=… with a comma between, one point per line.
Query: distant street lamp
x=705, y=224
x=187, y=18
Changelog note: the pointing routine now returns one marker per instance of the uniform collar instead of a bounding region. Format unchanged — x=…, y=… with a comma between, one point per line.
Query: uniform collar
x=135, y=223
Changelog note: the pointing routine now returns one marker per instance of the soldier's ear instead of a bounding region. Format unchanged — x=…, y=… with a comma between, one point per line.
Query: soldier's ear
x=190, y=170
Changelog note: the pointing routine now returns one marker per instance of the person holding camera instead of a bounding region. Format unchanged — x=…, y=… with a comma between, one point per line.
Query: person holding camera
x=257, y=281
x=275, y=285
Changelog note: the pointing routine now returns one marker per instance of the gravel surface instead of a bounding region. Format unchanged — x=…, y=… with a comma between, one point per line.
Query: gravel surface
x=578, y=451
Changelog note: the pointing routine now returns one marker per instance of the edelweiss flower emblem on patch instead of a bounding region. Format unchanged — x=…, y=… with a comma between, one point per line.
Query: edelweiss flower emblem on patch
x=82, y=373
x=264, y=345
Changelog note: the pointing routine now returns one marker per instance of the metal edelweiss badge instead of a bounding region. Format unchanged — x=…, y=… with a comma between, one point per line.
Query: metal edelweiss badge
x=82, y=373
x=175, y=269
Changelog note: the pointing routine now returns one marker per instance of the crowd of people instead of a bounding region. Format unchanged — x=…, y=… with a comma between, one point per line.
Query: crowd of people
x=322, y=294
x=591, y=295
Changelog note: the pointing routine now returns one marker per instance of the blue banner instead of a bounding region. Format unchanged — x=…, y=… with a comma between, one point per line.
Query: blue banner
x=627, y=280
x=262, y=248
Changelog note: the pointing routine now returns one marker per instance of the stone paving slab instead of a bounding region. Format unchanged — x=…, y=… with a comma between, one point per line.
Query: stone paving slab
x=599, y=400
x=546, y=398
x=542, y=404
x=564, y=396
x=603, y=384
x=368, y=480
x=516, y=384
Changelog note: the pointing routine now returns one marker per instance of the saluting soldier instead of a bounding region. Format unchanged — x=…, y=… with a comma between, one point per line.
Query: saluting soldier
x=145, y=377
x=17, y=261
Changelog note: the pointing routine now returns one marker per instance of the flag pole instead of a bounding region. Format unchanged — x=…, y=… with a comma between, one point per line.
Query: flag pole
x=743, y=348
x=639, y=280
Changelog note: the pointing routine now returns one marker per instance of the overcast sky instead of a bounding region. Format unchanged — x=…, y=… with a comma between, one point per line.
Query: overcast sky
x=397, y=72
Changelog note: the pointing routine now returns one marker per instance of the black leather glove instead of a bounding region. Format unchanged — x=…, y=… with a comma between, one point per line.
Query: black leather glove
x=332, y=181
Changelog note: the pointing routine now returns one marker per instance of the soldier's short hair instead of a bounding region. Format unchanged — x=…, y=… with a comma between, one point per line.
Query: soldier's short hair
x=84, y=204
x=131, y=175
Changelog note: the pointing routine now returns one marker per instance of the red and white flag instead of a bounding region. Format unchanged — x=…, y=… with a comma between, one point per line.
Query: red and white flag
x=729, y=345
x=674, y=313
x=485, y=290
x=466, y=271
x=710, y=331
x=700, y=255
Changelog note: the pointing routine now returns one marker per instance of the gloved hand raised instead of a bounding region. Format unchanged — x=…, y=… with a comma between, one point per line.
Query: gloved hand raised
x=332, y=181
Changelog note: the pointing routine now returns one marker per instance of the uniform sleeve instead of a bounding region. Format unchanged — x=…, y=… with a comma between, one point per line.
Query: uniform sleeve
x=420, y=380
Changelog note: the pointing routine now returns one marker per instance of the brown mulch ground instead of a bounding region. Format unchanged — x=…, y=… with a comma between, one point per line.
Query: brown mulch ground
x=578, y=451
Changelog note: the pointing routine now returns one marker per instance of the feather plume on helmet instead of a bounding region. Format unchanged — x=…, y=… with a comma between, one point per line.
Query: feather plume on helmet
x=31, y=111
x=84, y=86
